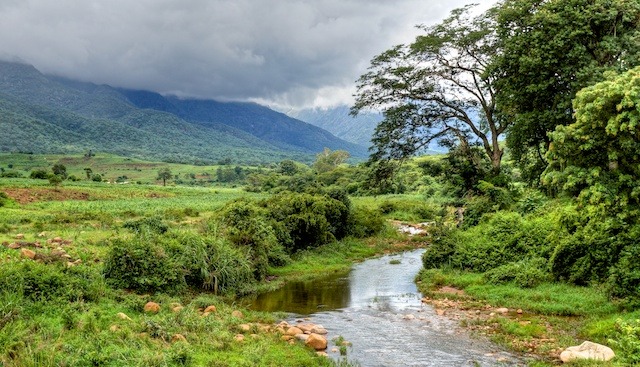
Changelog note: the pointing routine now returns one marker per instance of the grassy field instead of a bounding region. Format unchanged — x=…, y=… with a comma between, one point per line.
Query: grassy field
x=68, y=315
x=110, y=167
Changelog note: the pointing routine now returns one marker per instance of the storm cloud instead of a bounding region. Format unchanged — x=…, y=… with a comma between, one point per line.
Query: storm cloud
x=286, y=53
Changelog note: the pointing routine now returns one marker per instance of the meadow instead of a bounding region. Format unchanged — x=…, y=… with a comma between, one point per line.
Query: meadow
x=105, y=249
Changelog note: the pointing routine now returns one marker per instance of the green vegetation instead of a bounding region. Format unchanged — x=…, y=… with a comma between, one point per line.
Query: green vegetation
x=100, y=250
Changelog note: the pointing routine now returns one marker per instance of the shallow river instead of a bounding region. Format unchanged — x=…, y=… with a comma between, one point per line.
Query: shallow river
x=369, y=307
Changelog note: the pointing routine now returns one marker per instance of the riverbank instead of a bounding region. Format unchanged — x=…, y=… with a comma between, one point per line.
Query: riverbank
x=537, y=323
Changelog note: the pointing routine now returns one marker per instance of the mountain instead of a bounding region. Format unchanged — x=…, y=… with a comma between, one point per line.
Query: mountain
x=45, y=114
x=337, y=121
x=273, y=127
x=358, y=130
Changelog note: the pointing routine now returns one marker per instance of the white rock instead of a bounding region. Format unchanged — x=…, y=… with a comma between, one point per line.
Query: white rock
x=587, y=350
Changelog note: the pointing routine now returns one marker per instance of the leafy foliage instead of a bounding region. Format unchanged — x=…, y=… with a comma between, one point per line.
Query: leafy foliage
x=550, y=51
x=142, y=264
x=598, y=156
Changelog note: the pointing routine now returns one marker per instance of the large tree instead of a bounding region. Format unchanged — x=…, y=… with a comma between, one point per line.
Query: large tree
x=550, y=49
x=436, y=88
x=598, y=156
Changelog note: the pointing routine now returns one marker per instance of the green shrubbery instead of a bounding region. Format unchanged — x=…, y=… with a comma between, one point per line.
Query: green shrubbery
x=237, y=246
x=142, y=264
x=37, y=281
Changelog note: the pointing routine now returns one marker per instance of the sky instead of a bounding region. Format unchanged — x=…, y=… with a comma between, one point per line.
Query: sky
x=287, y=54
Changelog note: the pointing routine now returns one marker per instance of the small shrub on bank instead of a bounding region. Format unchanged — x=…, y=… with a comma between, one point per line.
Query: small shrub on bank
x=364, y=222
x=142, y=264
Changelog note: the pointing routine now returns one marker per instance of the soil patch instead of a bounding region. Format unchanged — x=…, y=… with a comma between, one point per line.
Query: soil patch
x=32, y=195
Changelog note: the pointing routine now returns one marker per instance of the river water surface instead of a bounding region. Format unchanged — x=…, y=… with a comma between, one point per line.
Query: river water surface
x=377, y=307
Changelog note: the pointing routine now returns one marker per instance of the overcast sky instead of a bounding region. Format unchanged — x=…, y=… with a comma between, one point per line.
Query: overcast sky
x=296, y=53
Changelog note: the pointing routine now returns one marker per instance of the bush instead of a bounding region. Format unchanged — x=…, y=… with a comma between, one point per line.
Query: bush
x=142, y=264
x=499, y=239
x=149, y=224
x=45, y=282
x=39, y=174
x=627, y=341
x=245, y=224
x=624, y=278
x=526, y=273
x=411, y=210
x=11, y=174
x=587, y=254
x=303, y=221
x=365, y=222
x=4, y=199
x=212, y=263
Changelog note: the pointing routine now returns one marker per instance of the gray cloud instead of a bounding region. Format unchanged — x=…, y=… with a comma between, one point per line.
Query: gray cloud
x=285, y=52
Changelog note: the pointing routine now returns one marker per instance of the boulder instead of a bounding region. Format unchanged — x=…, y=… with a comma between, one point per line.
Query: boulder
x=317, y=342
x=152, y=307
x=210, y=309
x=294, y=331
x=502, y=310
x=237, y=314
x=177, y=309
x=19, y=236
x=239, y=338
x=302, y=337
x=28, y=253
x=587, y=350
x=14, y=246
x=318, y=329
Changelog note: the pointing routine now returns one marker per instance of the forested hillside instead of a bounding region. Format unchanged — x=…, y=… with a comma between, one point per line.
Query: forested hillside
x=44, y=114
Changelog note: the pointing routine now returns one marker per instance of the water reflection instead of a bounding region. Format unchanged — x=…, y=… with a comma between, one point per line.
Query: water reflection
x=374, y=284
x=308, y=297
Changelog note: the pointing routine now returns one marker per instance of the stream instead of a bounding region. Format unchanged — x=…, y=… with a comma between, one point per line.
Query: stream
x=377, y=307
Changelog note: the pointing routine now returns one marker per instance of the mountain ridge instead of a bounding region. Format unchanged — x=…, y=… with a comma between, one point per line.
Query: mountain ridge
x=53, y=114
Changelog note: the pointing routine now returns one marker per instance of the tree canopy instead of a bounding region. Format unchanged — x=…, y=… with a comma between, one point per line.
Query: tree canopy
x=598, y=156
x=438, y=88
x=549, y=50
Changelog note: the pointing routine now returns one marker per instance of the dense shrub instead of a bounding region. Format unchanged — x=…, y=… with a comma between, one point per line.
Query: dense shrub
x=245, y=224
x=365, y=222
x=498, y=240
x=148, y=224
x=142, y=264
x=624, y=276
x=37, y=281
x=590, y=248
x=39, y=174
x=4, y=199
x=413, y=210
x=525, y=273
x=303, y=221
x=627, y=342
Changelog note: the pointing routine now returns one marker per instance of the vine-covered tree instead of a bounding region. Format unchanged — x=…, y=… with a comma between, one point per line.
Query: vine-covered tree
x=598, y=156
x=551, y=50
x=437, y=88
